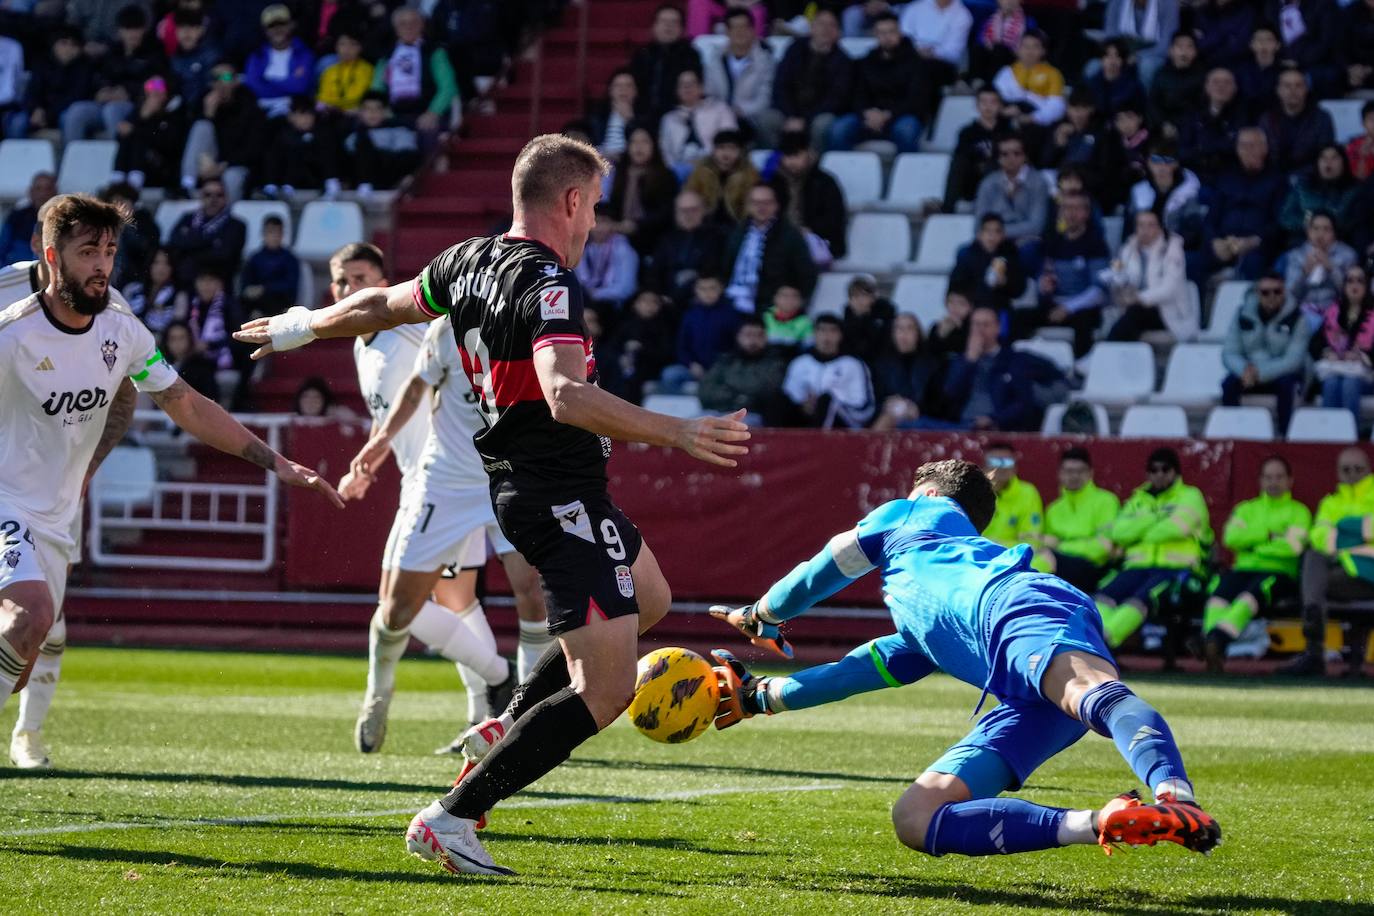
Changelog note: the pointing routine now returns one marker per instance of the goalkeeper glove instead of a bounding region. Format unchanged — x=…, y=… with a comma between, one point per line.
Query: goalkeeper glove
x=758, y=631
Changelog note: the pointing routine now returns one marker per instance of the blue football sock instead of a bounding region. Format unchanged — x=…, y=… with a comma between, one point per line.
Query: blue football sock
x=1140, y=732
x=884, y=662
x=993, y=826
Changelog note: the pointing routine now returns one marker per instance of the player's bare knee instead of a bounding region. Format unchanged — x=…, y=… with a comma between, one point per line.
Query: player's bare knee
x=608, y=695
x=918, y=805
x=30, y=609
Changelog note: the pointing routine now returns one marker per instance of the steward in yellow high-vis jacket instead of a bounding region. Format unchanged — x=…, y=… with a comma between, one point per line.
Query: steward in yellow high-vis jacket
x=1020, y=515
x=1078, y=524
x=1164, y=534
x=1267, y=535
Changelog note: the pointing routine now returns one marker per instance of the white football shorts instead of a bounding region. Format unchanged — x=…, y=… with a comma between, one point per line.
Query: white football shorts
x=27, y=557
x=435, y=528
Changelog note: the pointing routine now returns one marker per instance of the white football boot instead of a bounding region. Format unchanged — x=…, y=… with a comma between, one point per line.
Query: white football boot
x=28, y=751
x=478, y=740
x=437, y=836
x=370, y=730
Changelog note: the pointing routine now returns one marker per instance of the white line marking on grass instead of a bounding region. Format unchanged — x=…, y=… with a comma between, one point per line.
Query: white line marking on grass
x=248, y=820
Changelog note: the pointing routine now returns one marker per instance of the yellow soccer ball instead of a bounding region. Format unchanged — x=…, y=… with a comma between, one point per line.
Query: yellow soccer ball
x=676, y=695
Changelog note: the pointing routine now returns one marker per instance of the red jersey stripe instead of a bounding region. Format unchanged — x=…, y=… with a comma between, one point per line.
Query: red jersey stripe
x=513, y=381
x=551, y=340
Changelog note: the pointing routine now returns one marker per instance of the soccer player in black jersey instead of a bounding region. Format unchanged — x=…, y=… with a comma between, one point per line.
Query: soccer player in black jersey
x=516, y=308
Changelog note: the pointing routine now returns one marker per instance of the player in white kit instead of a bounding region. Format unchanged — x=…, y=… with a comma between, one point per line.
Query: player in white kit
x=452, y=624
x=446, y=521
x=64, y=352
x=28, y=749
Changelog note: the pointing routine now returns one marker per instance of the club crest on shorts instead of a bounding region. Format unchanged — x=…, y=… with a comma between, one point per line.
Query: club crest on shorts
x=12, y=558
x=624, y=581
x=107, y=353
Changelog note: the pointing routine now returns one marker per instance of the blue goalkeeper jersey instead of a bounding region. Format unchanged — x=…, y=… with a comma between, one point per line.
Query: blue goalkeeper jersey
x=939, y=579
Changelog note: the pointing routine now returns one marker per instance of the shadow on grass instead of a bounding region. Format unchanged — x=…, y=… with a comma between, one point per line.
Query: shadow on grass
x=300, y=870
x=714, y=767
x=1053, y=897
x=223, y=779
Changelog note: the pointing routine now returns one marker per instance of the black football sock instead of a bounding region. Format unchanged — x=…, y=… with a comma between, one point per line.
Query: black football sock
x=549, y=676
x=540, y=740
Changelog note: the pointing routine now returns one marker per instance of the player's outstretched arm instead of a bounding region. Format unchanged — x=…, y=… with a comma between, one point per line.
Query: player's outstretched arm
x=211, y=424
x=363, y=312
x=562, y=371
x=372, y=456
x=838, y=564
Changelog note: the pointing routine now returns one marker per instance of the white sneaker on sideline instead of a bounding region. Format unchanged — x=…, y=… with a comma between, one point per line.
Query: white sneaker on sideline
x=435, y=835
x=370, y=730
x=28, y=751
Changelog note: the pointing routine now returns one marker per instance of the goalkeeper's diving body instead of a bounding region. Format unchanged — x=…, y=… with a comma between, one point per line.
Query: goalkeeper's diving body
x=977, y=611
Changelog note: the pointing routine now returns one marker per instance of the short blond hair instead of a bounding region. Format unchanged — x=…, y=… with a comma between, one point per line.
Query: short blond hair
x=549, y=165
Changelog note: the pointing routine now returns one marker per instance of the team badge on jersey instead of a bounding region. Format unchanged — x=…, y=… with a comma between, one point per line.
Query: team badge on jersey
x=553, y=303
x=12, y=558
x=107, y=353
x=573, y=519
x=624, y=581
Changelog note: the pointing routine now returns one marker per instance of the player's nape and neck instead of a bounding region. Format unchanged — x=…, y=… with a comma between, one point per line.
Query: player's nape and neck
x=551, y=232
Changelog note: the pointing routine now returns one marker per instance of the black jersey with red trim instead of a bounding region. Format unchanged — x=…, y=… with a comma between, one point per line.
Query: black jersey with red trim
x=507, y=298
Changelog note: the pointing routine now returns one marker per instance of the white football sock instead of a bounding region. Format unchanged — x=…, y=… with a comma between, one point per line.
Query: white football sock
x=1180, y=789
x=534, y=642
x=12, y=666
x=1077, y=827
x=384, y=650
x=36, y=697
x=479, y=710
x=463, y=637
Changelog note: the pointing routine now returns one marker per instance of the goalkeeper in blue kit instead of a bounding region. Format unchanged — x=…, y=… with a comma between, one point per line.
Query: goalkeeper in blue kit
x=979, y=612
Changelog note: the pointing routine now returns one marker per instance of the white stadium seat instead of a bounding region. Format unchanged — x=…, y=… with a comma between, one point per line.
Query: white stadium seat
x=1345, y=115
x=922, y=295
x=1053, y=423
x=1056, y=350
x=1148, y=421
x=86, y=166
x=831, y=293
x=1193, y=377
x=1251, y=423
x=169, y=212
x=325, y=227
x=1229, y=298
x=916, y=178
x=20, y=160
x=859, y=174
x=956, y=111
x=941, y=238
x=708, y=46
x=126, y=476
x=760, y=157
x=878, y=243
x=858, y=47
x=685, y=406
x=779, y=44
x=1119, y=373
x=1112, y=229
x=253, y=212
x=1322, y=424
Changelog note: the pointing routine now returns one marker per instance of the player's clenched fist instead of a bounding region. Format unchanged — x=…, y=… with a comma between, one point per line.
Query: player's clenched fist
x=711, y=439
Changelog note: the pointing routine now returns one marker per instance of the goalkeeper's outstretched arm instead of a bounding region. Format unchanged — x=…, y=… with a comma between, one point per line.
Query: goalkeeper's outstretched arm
x=363, y=312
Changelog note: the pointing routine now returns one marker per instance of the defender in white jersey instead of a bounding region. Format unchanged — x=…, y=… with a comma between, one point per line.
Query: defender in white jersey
x=447, y=521
x=452, y=623
x=28, y=749
x=64, y=353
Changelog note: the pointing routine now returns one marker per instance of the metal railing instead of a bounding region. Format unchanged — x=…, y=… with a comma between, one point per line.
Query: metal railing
x=241, y=510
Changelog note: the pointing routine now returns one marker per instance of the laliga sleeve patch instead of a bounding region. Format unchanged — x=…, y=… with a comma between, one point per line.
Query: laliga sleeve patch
x=553, y=303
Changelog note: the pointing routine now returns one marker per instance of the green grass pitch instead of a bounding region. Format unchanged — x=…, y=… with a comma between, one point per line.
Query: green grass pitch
x=198, y=782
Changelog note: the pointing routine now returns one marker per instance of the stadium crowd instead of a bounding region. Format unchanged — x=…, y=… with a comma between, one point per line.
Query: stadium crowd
x=1198, y=124
x=220, y=101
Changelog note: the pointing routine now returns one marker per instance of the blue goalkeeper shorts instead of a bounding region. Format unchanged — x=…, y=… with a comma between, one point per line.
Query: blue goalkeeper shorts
x=1035, y=617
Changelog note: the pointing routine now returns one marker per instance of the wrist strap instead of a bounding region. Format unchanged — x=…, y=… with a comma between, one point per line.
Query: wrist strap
x=291, y=329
